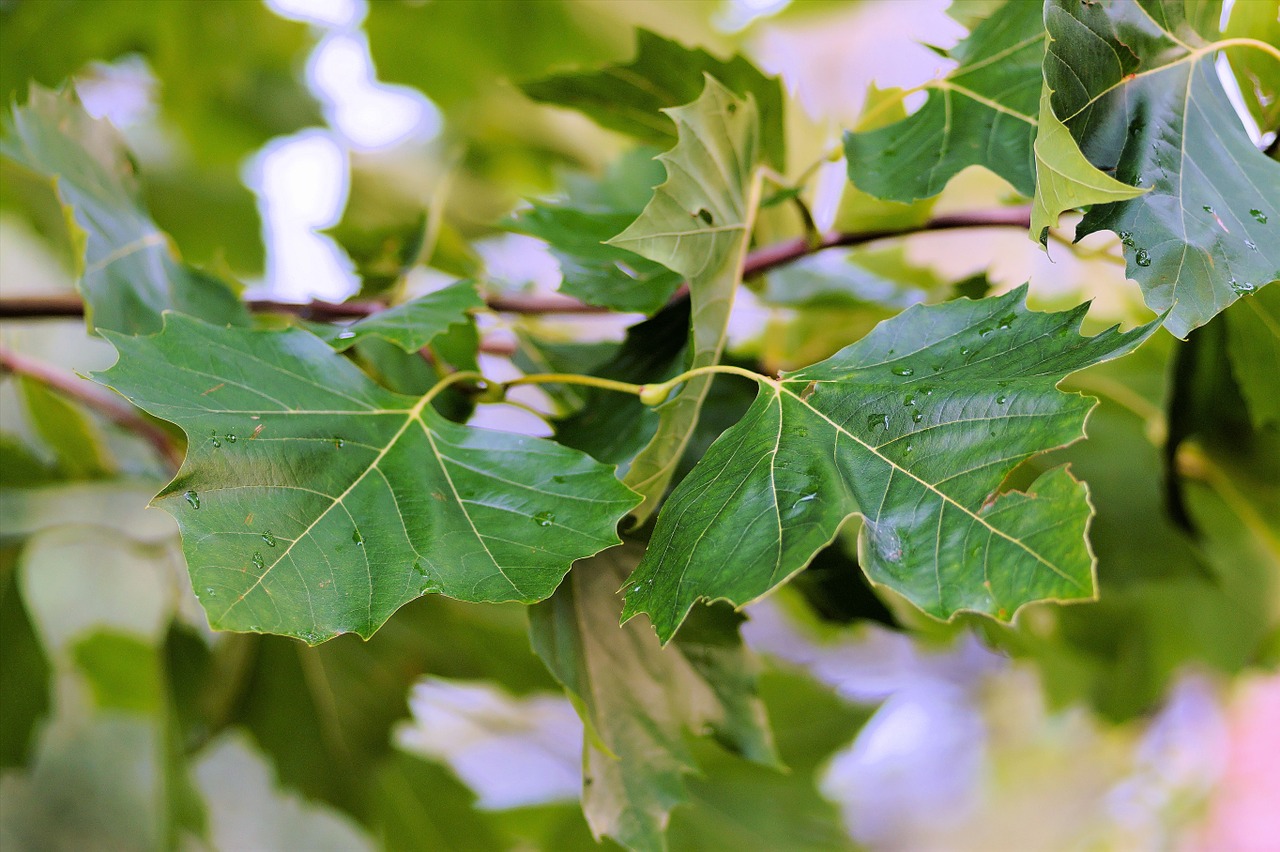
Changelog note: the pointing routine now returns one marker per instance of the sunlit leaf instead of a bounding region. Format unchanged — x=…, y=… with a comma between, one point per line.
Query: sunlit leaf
x=914, y=427
x=1137, y=87
x=128, y=271
x=415, y=323
x=699, y=225
x=313, y=502
x=981, y=114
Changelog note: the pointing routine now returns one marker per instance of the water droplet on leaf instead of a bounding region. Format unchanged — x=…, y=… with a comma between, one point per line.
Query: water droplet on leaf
x=339, y=443
x=357, y=538
x=544, y=519
x=269, y=538
x=1208, y=209
x=1142, y=258
x=346, y=335
x=902, y=371
x=878, y=420
x=192, y=498
x=213, y=436
x=917, y=417
x=231, y=437
x=1259, y=215
x=1241, y=288
x=1007, y=320
x=1001, y=399
x=1251, y=245
x=258, y=561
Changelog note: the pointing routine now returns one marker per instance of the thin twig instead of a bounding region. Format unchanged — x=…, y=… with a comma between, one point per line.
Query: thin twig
x=110, y=406
x=757, y=262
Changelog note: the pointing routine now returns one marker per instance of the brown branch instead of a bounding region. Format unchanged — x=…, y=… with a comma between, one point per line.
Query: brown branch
x=106, y=403
x=757, y=262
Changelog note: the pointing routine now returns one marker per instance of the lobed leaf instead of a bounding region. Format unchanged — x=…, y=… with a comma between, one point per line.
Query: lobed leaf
x=417, y=322
x=640, y=700
x=699, y=225
x=664, y=74
x=312, y=502
x=1136, y=85
x=915, y=428
x=128, y=273
x=981, y=114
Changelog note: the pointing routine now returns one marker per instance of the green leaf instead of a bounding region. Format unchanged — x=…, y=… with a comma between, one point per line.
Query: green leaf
x=699, y=225
x=1253, y=344
x=1257, y=73
x=664, y=74
x=75, y=441
x=1137, y=87
x=914, y=427
x=1066, y=180
x=640, y=700
x=576, y=230
x=981, y=114
x=312, y=502
x=128, y=272
x=416, y=323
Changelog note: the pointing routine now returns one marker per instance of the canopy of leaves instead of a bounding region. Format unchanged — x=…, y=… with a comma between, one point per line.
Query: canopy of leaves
x=914, y=427
x=313, y=503
x=982, y=113
x=1136, y=86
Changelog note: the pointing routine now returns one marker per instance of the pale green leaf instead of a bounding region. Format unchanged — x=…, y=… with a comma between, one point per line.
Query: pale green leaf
x=640, y=700
x=914, y=427
x=1065, y=180
x=1253, y=344
x=1257, y=73
x=699, y=225
x=313, y=502
x=664, y=74
x=129, y=273
x=981, y=114
x=76, y=442
x=1136, y=85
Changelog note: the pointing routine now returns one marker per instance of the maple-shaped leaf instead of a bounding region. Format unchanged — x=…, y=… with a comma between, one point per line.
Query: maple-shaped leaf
x=640, y=701
x=698, y=224
x=415, y=323
x=313, y=502
x=128, y=272
x=981, y=114
x=915, y=428
x=1136, y=85
x=664, y=74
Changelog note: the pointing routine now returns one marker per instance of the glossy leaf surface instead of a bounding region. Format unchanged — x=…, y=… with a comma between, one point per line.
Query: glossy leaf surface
x=1136, y=85
x=914, y=427
x=313, y=502
x=417, y=322
x=983, y=113
x=699, y=225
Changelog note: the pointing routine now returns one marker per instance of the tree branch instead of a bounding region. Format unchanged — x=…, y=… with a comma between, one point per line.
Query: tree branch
x=106, y=403
x=757, y=262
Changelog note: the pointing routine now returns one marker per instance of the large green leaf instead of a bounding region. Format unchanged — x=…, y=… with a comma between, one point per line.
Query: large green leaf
x=914, y=427
x=128, y=272
x=576, y=230
x=664, y=74
x=1136, y=85
x=698, y=224
x=981, y=114
x=640, y=700
x=313, y=502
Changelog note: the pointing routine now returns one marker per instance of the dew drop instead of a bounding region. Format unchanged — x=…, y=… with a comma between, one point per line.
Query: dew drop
x=558, y=479
x=1142, y=258
x=544, y=519
x=909, y=448
x=193, y=499
x=346, y=335
x=878, y=420
x=902, y=371
x=910, y=400
x=213, y=436
x=1208, y=209
x=965, y=351
x=937, y=368
x=258, y=561
x=808, y=498
x=917, y=417
x=636, y=588
x=231, y=437
x=357, y=538
x=269, y=538
x=339, y=443
x=1251, y=245
x=984, y=332
x=1006, y=321
x=210, y=591
x=1241, y=288
x=1259, y=215
x=1001, y=399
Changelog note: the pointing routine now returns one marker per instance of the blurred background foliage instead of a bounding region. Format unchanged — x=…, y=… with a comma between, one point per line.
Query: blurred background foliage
x=126, y=723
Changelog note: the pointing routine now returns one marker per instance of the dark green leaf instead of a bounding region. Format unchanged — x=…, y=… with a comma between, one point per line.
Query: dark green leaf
x=914, y=427
x=698, y=224
x=128, y=274
x=639, y=700
x=1253, y=343
x=981, y=114
x=1136, y=86
x=313, y=502
x=664, y=74
x=417, y=322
